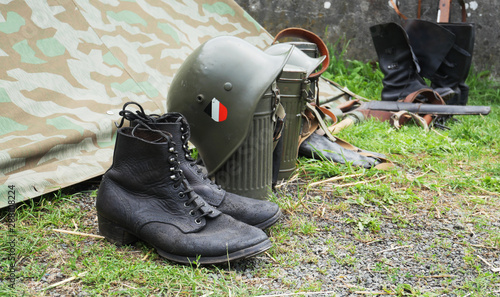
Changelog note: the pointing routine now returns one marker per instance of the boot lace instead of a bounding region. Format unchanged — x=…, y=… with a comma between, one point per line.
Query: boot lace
x=187, y=154
x=178, y=178
x=176, y=175
x=139, y=116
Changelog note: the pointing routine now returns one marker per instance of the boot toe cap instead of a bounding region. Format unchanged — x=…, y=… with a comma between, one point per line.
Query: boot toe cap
x=222, y=239
x=259, y=213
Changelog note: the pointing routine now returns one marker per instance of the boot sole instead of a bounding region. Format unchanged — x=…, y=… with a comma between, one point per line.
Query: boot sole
x=120, y=236
x=269, y=222
x=241, y=254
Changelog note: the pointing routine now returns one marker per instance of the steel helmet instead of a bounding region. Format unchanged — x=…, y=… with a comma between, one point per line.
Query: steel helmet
x=297, y=58
x=217, y=89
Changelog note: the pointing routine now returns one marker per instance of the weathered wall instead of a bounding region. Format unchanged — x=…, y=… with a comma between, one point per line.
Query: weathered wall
x=351, y=20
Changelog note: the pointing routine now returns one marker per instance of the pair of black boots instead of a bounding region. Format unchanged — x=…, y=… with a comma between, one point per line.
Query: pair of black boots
x=440, y=52
x=155, y=192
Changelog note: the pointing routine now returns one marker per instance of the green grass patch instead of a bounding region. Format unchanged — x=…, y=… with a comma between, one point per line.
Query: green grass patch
x=448, y=176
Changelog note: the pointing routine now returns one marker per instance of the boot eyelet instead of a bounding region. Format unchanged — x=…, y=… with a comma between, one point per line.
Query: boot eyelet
x=171, y=160
x=185, y=204
x=173, y=177
x=172, y=169
x=171, y=149
x=191, y=213
x=182, y=129
x=187, y=156
x=182, y=195
x=197, y=221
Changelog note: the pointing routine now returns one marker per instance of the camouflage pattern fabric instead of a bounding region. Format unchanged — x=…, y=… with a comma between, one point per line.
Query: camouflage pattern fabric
x=68, y=66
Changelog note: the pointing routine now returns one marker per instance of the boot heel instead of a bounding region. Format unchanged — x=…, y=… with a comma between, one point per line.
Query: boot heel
x=114, y=233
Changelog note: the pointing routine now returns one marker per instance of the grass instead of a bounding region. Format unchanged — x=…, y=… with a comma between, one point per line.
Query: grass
x=451, y=175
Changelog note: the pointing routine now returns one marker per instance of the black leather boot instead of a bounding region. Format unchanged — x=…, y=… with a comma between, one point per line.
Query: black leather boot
x=258, y=213
x=144, y=195
x=455, y=68
x=444, y=53
x=396, y=61
x=430, y=43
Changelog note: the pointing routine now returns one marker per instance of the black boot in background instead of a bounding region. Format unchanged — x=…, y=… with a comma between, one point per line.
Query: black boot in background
x=456, y=67
x=431, y=43
x=444, y=53
x=144, y=195
x=258, y=213
x=397, y=62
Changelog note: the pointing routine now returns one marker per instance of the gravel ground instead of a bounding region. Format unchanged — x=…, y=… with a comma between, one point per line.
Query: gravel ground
x=406, y=251
x=415, y=252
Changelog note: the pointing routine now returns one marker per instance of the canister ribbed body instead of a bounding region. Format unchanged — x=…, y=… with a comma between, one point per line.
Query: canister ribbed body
x=248, y=172
x=293, y=88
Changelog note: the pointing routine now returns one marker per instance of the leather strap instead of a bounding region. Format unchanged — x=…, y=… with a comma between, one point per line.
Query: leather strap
x=402, y=116
x=396, y=8
x=310, y=124
x=464, y=12
x=443, y=10
x=431, y=95
x=348, y=105
x=433, y=98
x=327, y=112
x=419, y=9
x=311, y=37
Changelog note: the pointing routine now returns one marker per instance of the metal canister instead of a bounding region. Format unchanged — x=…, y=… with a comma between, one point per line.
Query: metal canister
x=293, y=86
x=309, y=48
x=248, y=171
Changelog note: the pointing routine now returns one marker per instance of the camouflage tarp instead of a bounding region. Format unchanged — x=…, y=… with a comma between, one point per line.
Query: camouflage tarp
x=68, y=66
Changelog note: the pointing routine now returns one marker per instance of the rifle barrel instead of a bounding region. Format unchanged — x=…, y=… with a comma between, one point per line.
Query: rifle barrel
x=423, y=108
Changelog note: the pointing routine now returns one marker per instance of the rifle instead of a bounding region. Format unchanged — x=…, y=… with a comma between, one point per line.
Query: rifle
x=400, y=112
x=424, y=108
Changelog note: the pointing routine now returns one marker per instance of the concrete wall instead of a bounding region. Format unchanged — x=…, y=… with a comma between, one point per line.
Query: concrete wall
x=351, y=20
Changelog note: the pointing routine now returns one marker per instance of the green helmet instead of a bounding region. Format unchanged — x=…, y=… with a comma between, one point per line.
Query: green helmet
x=217, y=89
x=297, y=58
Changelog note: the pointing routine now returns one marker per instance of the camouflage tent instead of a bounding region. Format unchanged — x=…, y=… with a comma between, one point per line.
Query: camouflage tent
x=68, y=66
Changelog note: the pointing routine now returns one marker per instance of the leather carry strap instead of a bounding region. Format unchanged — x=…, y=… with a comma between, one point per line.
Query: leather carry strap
x=401, y=117
x=327, y=112
x=348, y=105
x=443, y=10
x=311, y=37
x=432, y=96
x=401, y=15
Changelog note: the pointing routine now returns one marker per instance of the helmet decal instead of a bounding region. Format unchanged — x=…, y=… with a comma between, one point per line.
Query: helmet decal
x=216, y=110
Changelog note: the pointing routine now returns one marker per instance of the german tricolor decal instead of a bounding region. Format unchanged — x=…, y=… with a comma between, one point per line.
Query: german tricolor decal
x=216, y=110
